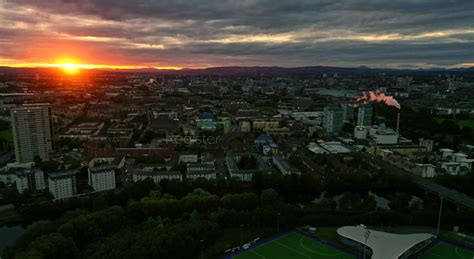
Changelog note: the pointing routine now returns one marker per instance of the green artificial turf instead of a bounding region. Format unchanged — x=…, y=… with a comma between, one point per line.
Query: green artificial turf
x=444, y=250
x=293, y=246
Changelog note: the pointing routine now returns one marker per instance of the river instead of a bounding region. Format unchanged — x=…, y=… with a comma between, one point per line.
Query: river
x=8, y=235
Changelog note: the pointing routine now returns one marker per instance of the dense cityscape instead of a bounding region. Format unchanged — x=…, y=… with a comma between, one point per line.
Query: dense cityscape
x=234, y=134
x=266, y=154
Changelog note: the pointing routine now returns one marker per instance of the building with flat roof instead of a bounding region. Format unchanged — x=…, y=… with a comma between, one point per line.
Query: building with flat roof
x=383, y=245
x=156, y=174
x=330, y=147
x=333, y=119
x=62, y=184
x=29, y=180
x=232, y=162
x=266, y=144
x=83, y=131
x=206, y=174
x=364, y=115
x=425, y=170
x=32, y=131
x=102, y=177
x=284, y=166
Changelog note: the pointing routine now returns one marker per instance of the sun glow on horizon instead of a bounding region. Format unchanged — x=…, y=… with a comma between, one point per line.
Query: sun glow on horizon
x=69, y=67
x=72, y=66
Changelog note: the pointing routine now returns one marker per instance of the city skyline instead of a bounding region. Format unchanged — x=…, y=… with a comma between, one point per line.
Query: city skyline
x=162, y=34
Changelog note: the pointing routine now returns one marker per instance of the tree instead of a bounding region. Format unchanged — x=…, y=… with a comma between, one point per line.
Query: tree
x=247, y=162
x=241, y=201
x=270, y=198
x=400, y=203
x=49, y=166
x=327, y=203
x=53, y=246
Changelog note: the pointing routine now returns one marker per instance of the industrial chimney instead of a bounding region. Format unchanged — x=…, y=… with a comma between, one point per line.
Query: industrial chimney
x=398, y=122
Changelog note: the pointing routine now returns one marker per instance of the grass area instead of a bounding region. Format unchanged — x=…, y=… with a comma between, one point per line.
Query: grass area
x=446, y=137
x=450, y=137
x=230, y=237
x=7, y=135
x=328, y=233
x=453, y=237
x=461, y=123
x=9, y=216
x=293, y=246
x=445, y=250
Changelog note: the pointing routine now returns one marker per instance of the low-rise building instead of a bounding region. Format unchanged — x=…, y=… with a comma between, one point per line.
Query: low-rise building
x=427, y=143
x=330, y=147
x=157, y=175
x=201, y=170
x=283, y=165
x=232, y=162
x=360, y=132
x=458, y=157
x=467, y=163
x=266, y=144
x=245, y=127
x=208, y=158
x=7, y=177
x=83, y=131
x=446, y=153
x=452, y=168
x=425, y=170
x=188, y=158
x=208, y=175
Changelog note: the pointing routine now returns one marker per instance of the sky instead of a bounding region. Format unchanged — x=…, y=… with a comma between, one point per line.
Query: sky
x=206, y=33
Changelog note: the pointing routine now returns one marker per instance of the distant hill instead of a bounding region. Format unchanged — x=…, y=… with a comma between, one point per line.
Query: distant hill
x=262, y=71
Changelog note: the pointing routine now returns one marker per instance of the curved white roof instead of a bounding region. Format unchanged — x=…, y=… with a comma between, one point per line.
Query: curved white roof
x=384, y=245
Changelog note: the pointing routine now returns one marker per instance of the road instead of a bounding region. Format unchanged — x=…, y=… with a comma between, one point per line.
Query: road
x=428, y=185
x=5, y=157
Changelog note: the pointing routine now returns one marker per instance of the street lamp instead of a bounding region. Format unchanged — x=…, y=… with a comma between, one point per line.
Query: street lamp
x=439, y=215
x=278, y=222
x=366, y=236
x=202, y=248
x=241, y=227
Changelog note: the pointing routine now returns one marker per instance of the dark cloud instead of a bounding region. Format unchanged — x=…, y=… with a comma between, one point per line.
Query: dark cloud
x=247, y=32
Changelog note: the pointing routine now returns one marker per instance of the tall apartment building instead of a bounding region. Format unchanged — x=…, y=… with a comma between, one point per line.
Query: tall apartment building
x=364, y=115
x=102, y=177
x=333, y=116
x=32, y=131
x=348, y=112
x=62, y=184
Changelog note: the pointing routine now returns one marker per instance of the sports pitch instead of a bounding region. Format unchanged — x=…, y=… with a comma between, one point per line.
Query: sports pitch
x=444, y=250
x=293, y=246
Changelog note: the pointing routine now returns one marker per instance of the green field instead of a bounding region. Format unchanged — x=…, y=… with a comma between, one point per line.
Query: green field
x=293, y=246
x=444, y=250
x=461, y=123
x=6, y=135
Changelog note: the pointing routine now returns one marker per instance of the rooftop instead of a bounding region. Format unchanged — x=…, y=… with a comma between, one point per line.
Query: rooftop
x=62, y=174
x=151, y=173
x=383, y=245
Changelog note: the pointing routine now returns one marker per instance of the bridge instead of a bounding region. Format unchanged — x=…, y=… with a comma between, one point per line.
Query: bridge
x=428, y=185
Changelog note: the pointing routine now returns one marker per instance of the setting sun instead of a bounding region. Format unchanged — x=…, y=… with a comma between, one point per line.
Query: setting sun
x=69, y=66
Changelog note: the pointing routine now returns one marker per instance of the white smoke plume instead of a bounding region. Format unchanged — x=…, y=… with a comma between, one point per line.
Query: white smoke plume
x=377, y=97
